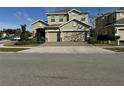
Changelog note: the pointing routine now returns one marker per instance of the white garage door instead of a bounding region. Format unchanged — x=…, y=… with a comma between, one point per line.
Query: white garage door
x=121, y=34
x=52, y=37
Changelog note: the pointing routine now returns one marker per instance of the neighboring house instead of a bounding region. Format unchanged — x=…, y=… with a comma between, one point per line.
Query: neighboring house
x=4, y=35
x=111, y=24
x=63, y=25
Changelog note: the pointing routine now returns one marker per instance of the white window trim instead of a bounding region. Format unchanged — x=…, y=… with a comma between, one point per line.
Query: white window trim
x=52, y=17
x=61, y=17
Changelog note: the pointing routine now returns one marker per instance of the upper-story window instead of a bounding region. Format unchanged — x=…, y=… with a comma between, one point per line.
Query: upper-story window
x=52, y=18
x=83, y=19
x=61, y=18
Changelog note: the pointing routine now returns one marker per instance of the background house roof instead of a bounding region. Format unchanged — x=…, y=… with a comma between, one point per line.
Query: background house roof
x=105, y=14
x=121, y=21
x=122, y=8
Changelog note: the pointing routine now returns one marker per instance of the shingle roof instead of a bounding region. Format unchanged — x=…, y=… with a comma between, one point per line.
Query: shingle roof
x=39, y=20
x=122, y=8
x=77, y=21
x=60, y=25
x=66, y=11
x=121, y=21
x=61, y=11
x=105, y=14
x=53, y=26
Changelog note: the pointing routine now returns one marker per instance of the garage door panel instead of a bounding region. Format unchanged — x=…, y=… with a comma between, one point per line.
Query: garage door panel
x=121, y=34
x=52, y=37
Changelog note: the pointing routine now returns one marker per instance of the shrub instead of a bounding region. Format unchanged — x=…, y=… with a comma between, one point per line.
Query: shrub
x=92, y=40
x=105, y=37
x=29, y=42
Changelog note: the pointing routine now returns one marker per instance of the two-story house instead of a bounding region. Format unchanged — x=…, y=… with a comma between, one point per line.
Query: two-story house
x=111, y=24
x=63, y=25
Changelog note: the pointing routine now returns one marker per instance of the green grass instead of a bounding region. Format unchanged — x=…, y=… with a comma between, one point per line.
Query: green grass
x=12, y=49
x=116, y=49
x=113, y=43
x=12, y=43
x=9, y=43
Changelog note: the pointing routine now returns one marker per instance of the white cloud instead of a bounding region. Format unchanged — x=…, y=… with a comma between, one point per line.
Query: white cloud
x=22, y=15
x=5, y=25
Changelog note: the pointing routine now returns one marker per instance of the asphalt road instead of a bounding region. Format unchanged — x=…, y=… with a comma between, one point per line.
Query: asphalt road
x=61, y=69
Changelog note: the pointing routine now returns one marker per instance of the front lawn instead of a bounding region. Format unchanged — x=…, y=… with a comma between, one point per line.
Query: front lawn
x=14, y=43
x=12, y=49
x=105, y=43
x=116, y=49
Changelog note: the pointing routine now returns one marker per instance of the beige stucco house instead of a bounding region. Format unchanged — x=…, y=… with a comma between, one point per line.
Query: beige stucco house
x=63, y=25
x=111, y=23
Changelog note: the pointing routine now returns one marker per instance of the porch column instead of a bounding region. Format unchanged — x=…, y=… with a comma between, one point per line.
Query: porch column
x=46, y=36
x=118, y=42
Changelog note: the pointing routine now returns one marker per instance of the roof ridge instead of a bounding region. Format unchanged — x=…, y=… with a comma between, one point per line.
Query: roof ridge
x=67, y=10
x=40, y=21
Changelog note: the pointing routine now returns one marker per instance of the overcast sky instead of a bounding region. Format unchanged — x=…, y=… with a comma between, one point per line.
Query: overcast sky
x=14, y=17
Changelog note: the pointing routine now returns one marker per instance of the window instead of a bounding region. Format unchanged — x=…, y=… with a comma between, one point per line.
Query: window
x=52, y=19
x=61, y=18
x=74, y=24
x=82, y=19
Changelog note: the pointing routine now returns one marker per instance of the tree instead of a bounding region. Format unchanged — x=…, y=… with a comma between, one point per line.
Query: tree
x=1, y=34
x=23, y=34
x=92, y=19
x=12, y=32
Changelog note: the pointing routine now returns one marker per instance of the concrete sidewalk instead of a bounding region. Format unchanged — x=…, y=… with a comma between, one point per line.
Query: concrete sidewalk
x=69, y=50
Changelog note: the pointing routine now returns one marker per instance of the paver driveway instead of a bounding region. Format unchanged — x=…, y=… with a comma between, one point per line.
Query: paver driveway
x=69, y=50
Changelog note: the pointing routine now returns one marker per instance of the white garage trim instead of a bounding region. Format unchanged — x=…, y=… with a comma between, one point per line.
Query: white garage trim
x=52, y=30
x=52, y=36
x=120, y=32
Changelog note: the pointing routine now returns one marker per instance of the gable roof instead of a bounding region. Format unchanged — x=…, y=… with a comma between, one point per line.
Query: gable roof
x=53, y=26
x=122, y=8
x=39, y=20
x=65, y=11
x=119, y=22
x=61, y=11
x=76, y=21
x=105, y=14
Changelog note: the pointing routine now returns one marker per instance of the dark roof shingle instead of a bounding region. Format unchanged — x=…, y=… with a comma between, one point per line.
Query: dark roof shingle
x=66, y=11
x=61, y=11
x=122, y=8
x=121, y=21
